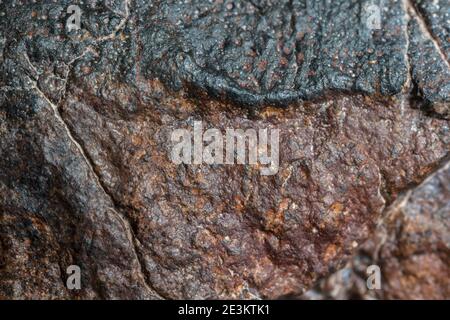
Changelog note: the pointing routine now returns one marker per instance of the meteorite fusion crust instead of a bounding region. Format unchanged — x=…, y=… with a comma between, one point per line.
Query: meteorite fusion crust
x=207, y=147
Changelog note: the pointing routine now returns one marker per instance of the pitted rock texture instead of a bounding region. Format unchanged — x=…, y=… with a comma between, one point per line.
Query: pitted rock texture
x=411, y=247
x=86, y=119
x=289, y=227
x=54, y=212
x=280, y=51
x=435, y=15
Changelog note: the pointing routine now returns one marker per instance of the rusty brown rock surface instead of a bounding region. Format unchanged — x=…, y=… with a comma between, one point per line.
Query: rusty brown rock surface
x=229, y=230
x=86, y=176
x=411, y=246
x=54, y=213
x=272, y=234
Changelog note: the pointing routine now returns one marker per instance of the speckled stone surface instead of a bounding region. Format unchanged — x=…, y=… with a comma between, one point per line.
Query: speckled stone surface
x=411, y=245
x=280, y=51
x=86, y=117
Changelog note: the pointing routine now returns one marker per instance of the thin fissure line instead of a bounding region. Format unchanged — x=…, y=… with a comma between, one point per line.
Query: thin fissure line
x=130, y=235
x=393, y=209
x=409, y=80
x=426, y=29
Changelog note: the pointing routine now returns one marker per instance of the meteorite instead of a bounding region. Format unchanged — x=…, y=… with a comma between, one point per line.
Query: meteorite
x=86, y=117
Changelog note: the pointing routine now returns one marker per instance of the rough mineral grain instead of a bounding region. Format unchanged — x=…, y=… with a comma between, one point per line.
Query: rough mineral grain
x=86, y=119
x=411, y=245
